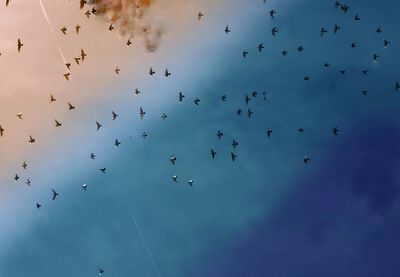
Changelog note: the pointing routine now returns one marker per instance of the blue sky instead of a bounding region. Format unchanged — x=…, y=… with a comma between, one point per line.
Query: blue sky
x=267, y=214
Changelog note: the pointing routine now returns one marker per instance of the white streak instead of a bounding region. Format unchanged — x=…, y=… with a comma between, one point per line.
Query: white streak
x=52, y=31
x=144, y=243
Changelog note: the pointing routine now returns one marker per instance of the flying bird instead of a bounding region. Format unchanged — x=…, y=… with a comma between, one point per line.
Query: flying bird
x=167, y=73
x=83, y=55
x=141, y=113
x=117, y=143
x=98, y=125
x=181, y=96
x=114, y=115
x=70, y=106
x=31, y=139
x=227, y=30
x=199, y=16
x=1, y=131
x=219, y=135
x=58, y=124
x=64, y=30
x=173, y=159
x=19, y=45
x=213, y=153
x=77, y=28
x=55, y=194
x=151, y=71
x=52, y=99
x=233, y=156
x=335, y=131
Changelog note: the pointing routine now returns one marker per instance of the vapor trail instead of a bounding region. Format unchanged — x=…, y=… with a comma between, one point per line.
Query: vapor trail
x=52, y=31
x=144, y=243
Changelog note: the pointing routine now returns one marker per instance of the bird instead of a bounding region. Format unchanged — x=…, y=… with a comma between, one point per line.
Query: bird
x=227, y=30
x=213, y=153
x=129, y=42
x=24, y=165
x=58, y=124
x=141, y=113
x=284, y=52
x=173, y=159
x=101, y=271
x=83, y=55
x=28, y=182
x=77, y=28
x=272, y=13
x=239, y=111
x=219, y=135
x=397, y=86
x=300, y=130
x=175, y=178
x=19, y=45
x=82, y=3
x=137, y=91
x=114, y=115
x=55, y=194
x=353, y=45
x=269, y=132
x=254, y=93
x=19, y=115
x=151, y=71
x=7, y=2
x=164, y=116
x=64, y=30
x=70, y=106
x=386, y=43
x=336, y=28
x=117, y=70
x=335, y=131
x=247, y=99
x=235, y=144
x=84, y=186
x=144, y=135
x=233, y=156
x=16, y=177
x=117, y=143
x=260, y=47
x=375, y=57
x=111, y=27
x=87, y=13
x=92, y=156
x=66, y=76
x=190, y=183
x=379, y=30
x=167, y=73
x=224, y=98
x=181, y=96
x=274, y=30
x=31, y=139
x=52, y=99
x=1, y=131
x=38, y=205
x=196, y=101
x=300, y=48
x=249, y=113
x=306, y=78
x=323, y=31
x=357, y=18
x=306, y=159
x=365, y=92
x=199, y=16
x=244, y=54
x=98, y=125
x=103, y=170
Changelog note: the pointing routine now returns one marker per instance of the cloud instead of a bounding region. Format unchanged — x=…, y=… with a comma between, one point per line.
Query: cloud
x=134, y=18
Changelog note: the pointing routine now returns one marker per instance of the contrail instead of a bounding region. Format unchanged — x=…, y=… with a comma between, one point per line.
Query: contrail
x=52, y=31
x=144, y=243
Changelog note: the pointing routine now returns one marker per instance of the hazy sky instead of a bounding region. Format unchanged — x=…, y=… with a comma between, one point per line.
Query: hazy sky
x=266, y=214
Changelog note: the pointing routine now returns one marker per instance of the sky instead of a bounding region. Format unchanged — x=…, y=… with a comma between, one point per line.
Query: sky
x=267, y=213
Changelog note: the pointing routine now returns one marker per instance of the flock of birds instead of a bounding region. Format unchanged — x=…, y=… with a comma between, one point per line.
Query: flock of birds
x=181, y=97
